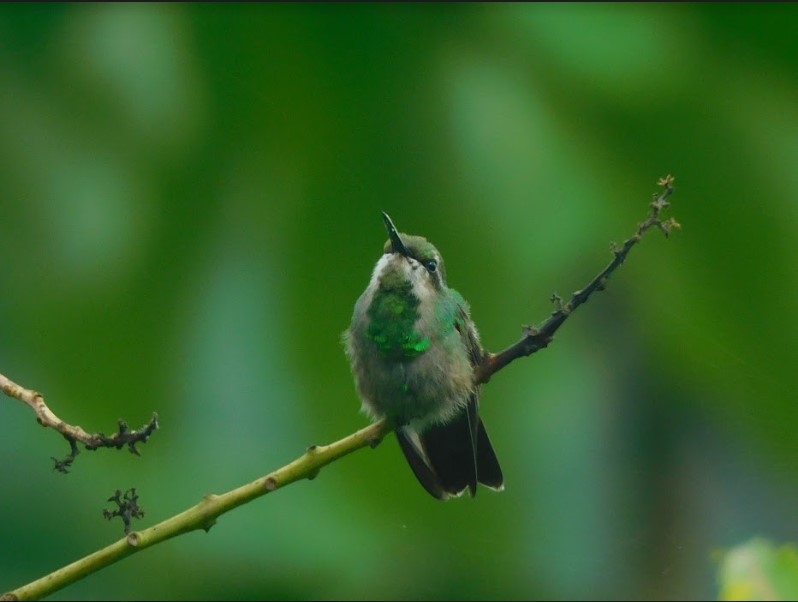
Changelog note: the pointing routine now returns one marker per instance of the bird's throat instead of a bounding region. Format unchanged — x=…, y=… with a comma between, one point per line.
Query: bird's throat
x=393, y=315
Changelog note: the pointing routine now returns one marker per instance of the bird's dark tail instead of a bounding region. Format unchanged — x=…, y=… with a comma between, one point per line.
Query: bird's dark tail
x=450, y=458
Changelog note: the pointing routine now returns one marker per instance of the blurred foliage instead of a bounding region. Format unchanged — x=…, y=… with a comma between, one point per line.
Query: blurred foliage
x=190, y=196
x=757, y=570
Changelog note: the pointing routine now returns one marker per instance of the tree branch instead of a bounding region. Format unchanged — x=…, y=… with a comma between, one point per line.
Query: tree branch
x=47, y=418
x=536, y=339
x=204, y=514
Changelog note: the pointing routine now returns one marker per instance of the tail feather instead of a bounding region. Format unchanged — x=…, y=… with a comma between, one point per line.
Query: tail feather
x=488, y=469
x=415, y=457
x=450, y=458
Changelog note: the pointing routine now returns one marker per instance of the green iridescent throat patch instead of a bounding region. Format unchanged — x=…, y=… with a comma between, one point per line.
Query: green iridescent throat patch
x=393, y=313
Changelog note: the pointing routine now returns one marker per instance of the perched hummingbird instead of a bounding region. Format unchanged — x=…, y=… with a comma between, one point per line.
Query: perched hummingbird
x=413, y=350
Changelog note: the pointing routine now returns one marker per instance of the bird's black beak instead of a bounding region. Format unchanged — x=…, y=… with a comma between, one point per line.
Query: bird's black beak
x=396, y=240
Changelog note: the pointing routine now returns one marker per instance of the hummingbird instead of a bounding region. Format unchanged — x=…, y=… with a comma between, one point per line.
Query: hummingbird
x=413, y=348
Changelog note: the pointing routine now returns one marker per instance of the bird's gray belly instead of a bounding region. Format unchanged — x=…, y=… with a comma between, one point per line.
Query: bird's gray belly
x=425, y=389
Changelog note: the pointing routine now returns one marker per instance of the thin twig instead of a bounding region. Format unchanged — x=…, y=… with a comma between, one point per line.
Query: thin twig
x=535, y=339
x=47, y=418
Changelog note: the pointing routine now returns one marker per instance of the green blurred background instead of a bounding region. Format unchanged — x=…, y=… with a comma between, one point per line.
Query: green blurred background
x=190, y=198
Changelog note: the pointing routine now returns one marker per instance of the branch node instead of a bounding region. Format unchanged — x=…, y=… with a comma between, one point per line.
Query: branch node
x=668, y=226
x=209, y=524
x=313, y=474
x=270, y=484
x=530, y=331
x=133, y=539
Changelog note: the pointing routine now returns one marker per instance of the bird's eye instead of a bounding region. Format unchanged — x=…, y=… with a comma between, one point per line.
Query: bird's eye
x=431, y=265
